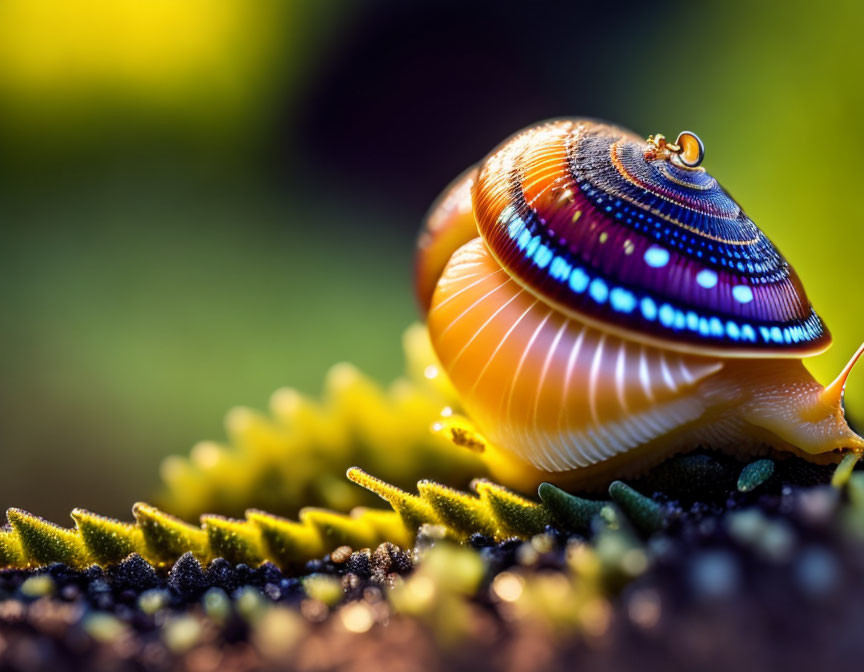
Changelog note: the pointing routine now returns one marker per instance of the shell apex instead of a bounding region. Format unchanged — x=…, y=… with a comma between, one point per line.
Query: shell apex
x=635, y=237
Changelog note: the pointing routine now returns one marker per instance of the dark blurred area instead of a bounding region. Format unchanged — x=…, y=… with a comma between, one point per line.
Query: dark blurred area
x=416, y=92
x=206, y=201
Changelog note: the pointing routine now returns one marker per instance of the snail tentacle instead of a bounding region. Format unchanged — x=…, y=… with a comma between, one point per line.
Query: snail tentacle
x=834, y=392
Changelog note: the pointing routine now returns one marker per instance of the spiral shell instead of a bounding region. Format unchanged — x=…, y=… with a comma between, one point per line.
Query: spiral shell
x=595, y=298
x=659, y=252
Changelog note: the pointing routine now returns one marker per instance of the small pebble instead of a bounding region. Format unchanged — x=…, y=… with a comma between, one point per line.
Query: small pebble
x=217, y=606
x=181, y=633
x=755, y=474
x=360, y=564
x=351, y=582
x=187, y=577
x=70, y=592
x=267, y=573
x=134, y=573
x=817, y=505
x=38, y=585
x=817, y=571
x=272, y=591
x=714, y=574
x=324, y=588
x=249, y=603
x=104, y=628
x=221, y=574
x=153, y=600
x=341, y=555
x=778, y=541
x=644, y=607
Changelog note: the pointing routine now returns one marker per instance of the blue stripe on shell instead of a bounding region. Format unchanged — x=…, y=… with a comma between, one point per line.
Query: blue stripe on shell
x=576, y=212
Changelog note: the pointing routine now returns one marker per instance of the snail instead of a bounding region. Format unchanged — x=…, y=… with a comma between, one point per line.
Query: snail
x=599, y=302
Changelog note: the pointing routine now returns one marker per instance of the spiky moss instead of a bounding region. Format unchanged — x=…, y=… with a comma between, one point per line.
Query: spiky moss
x=296, y=456
x=500, y=513
x=610, y=579
x=491, y=510
x=558, y=586
x=30, y=541
x=162, y=538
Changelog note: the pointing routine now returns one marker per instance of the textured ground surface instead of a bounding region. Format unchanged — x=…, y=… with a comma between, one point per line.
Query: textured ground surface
x=771, y=578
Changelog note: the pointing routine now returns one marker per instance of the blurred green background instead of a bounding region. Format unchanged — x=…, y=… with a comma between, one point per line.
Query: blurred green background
x=204, y=200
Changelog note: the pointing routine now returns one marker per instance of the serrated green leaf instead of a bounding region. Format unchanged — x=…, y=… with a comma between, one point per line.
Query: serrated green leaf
x=286, y=542
x=388, y=526
x=459, y=511
x=11, y=553
x=414, y=510
x=515, y=515
x=338, y=530
x=162, y=539
x=108, y=541
x=44, y=542
x=166, y=538
x=238, y=541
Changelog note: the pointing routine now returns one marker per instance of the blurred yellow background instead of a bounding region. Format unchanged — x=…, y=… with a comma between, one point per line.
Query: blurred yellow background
x=204, y=200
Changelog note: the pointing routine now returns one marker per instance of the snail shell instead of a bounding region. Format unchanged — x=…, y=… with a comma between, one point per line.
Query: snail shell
x=599, y=301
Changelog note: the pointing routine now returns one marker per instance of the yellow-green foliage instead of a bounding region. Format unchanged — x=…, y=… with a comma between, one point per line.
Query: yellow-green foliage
x=439, y=590
x=11, y=553
x=161, y=538
x=414, y=510
x=514, y=514
x=844, y=470
x=494, y=510
x=297, y=455
x=240, y=540
x=108, y=541
x=166, y=538
x=43, y=542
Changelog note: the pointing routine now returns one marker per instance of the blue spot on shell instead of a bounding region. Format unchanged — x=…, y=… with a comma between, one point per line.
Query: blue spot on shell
x=707, y=279
x=733, y=331
x=578, y=280
x=656, y=256
x=649, y=309
x=742, y=293
x=598, y=290
x=578, y=252
x=667, y=315
x=622, y=300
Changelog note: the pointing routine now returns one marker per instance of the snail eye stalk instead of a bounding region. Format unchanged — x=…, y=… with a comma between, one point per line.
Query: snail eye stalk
x=686, y=152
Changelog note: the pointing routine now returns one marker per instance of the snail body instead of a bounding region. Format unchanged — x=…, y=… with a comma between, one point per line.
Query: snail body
x=599, y=302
